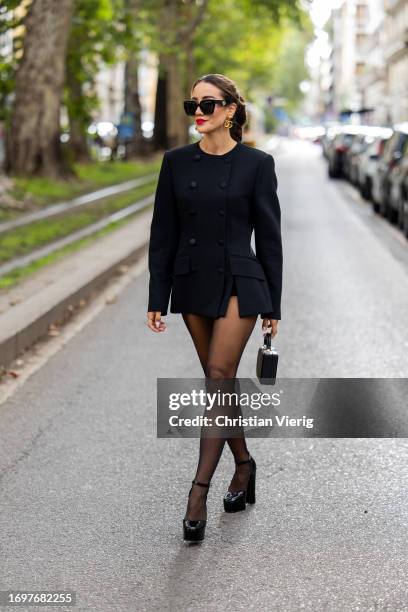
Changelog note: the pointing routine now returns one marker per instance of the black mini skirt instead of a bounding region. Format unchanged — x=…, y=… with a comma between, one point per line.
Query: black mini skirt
x=229, y=289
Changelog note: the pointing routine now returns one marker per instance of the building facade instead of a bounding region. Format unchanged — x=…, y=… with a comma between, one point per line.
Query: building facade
x=396, y=59
x=368, y=61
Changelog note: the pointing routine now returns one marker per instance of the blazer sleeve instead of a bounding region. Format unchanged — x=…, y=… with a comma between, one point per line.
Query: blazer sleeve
x=267, y=226
x=164, y=238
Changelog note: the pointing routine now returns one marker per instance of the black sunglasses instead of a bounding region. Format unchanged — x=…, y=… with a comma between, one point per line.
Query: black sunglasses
x=207, y=106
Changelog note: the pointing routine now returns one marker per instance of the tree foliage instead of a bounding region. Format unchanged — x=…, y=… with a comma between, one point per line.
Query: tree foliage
x=258, y=43
x=11, y=45
x=247, y=40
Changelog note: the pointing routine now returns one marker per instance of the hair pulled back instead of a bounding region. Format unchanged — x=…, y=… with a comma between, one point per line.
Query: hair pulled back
x=231, y=94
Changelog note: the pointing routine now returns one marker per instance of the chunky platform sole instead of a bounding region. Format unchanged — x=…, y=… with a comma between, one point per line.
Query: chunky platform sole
x=194, y=531
x=236, y=501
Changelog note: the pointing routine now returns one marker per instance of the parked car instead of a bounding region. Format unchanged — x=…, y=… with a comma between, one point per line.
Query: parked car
x=365, y=137
x=391, y=157
x=313, y=133
x=368, y=162
x=345, y=148
x=403, y=208
x=337, y=150
x=327, y=139
x=352, y=156
x=398, y=184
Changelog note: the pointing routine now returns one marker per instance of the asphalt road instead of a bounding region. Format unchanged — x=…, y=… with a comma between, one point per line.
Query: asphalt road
x=91, y=501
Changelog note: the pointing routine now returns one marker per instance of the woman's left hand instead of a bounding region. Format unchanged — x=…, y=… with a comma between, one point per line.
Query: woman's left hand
x=273, y=323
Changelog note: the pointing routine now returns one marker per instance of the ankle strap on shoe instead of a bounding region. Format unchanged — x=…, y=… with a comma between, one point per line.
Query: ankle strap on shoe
x=246, y=461
x=202, y=484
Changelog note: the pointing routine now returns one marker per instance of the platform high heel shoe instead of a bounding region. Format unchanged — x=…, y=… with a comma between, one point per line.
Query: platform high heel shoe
x=194, y=531
x=234, y=501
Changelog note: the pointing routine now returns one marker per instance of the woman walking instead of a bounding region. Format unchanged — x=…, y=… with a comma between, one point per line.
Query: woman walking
x=210, y=196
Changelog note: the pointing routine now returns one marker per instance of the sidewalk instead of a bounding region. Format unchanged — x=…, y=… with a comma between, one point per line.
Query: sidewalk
x=50, y=295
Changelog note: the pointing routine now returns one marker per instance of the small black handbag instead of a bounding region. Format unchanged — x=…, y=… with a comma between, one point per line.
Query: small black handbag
x=267, y=362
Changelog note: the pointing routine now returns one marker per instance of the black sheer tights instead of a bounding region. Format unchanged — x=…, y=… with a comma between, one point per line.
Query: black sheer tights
x=219, y=344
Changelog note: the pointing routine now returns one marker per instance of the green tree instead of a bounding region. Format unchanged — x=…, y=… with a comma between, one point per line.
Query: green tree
x=97, y=38
x=11, y=47
x=260, y=45
x=239, y=38
x=33, y=143
x=290, y=68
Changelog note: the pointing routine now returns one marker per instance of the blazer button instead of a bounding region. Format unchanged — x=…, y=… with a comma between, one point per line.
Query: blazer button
x=193, y=183
x=223, y=184
x=192, y=241
x=220, y=242
x=220, y=270
x=221, y=212
x=197, y=156
x=192, y=212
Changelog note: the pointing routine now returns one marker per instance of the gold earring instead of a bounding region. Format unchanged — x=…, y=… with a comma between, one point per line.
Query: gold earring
x=228, y=123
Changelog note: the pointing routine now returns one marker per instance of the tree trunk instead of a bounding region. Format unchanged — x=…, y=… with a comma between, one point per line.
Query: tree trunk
x=173, y=66
x=170, y=68
x=190, y=75
x=176, y=124
x=159, y=134
x=78, y=143
x=132, y=105
x=138, y=145
x=33, y=138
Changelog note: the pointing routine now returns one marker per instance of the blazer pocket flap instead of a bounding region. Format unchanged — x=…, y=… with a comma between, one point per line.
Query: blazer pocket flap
x=181, y=265
x=246, y=266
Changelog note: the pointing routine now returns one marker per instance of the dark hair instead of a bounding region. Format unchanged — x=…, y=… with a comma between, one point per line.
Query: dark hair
x=231, y=94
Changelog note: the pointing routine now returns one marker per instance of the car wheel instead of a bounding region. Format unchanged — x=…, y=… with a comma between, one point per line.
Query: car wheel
x=366, y=189
x=333, y=173
x=405, y=218
x=383, y=206
x=405, y=225
x=400, y=214
x=392, y=214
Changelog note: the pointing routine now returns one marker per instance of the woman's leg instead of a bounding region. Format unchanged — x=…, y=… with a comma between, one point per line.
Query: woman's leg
x=200, y=329
x=229, y=338
x=219, y=344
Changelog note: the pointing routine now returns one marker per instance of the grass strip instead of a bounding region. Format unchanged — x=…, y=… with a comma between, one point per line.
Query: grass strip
x=19, y=274
x=25, y=239
x=42, y=192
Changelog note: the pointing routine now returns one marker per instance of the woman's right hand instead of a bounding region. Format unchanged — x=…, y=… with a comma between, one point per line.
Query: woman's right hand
x=270, y=323
x=154, y=321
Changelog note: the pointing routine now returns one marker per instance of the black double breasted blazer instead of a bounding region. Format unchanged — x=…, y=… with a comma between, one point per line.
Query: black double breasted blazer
x=206, y=207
